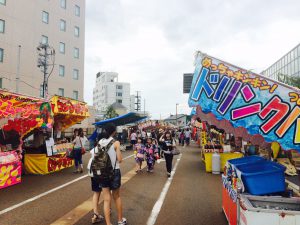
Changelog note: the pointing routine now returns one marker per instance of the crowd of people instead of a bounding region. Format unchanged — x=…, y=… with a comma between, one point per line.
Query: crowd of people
x=148, y=146
x=152, y=145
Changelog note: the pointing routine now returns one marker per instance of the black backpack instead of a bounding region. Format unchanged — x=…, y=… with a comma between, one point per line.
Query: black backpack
x=101, y=167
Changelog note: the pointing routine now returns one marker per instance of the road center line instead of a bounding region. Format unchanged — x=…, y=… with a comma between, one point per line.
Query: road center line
x=46, y=193
x=157, y=207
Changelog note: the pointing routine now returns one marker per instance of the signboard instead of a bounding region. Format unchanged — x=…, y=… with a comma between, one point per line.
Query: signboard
x=187, y=82
x=22, y=113
x=62, y=105
x=261, y=105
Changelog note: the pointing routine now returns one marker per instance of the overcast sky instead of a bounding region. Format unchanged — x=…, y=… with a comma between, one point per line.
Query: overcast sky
x=151, y=43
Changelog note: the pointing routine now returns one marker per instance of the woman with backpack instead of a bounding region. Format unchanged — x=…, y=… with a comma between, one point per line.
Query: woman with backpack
x=110, y=153
x=168, y=144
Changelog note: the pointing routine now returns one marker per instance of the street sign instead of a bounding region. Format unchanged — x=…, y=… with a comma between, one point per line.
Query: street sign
x=187, y=82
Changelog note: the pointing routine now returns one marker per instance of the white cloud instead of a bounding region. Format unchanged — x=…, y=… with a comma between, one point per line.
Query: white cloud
x=151, y=43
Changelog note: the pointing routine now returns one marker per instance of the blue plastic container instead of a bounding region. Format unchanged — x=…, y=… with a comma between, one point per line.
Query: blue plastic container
x=246, y=160
x=263, y=178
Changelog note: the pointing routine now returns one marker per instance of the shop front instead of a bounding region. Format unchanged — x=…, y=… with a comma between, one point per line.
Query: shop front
x=19, y=115
x=50, y=153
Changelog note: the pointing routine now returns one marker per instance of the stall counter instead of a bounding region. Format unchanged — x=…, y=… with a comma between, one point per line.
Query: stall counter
x=224, y=158
x=10, y=174
x=10, y=169
x=43, y=164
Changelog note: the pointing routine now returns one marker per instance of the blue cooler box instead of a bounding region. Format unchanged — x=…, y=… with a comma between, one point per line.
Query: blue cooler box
x=263, y=178
x=246, y=160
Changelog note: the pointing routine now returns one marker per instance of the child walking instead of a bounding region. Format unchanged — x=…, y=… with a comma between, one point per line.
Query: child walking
x=151, y=152
x=139, y=151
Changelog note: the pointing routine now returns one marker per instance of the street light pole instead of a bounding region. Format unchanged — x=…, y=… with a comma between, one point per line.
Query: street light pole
x=144, y=107
x=18, y=69
x=176, y=114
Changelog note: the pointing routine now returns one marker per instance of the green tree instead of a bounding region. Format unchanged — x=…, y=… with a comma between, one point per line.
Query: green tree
x=292, y=81
x=110, y=113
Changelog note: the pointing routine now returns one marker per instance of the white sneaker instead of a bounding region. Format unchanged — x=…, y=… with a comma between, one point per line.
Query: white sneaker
x=123, y=222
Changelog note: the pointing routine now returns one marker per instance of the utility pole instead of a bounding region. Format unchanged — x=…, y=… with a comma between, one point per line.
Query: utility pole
x=18, y=69
x=45, y=52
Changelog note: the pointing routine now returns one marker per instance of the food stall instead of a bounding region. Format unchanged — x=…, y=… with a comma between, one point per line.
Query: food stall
x=50, y=156
x=19, y=115
x=254, y=111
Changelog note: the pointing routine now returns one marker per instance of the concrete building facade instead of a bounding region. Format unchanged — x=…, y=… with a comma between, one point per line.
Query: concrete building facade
x=26, y=24
x=181, y=119
x=108, y=91
x=289, y=64
x=132, y=103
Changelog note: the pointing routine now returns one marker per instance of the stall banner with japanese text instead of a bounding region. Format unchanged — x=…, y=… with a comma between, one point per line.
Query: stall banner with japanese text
x=10, y=174
x=22, y=113
x=261, y=105
x=203, y=138
x=41, y=164
x=62, y=105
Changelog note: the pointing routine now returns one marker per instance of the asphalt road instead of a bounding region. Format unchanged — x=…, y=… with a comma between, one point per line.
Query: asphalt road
x=194, y=196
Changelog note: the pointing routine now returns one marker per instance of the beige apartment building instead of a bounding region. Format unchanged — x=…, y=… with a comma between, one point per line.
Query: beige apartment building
x=24, y=24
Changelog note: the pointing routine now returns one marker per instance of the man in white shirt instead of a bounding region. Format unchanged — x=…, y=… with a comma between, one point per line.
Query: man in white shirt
x=133, y=137
x=187, y=135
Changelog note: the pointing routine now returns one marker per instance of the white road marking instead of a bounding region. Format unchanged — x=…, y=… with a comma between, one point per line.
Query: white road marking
x=46, y=193
x=128, y=157
x=157, y=207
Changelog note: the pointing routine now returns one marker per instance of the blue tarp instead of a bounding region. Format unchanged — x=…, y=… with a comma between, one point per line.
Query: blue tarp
x=128, y=118
x=131, y=117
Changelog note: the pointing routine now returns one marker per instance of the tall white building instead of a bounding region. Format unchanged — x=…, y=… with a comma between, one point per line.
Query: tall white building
x=132, y=103
x=26, y=24
x=108, y=91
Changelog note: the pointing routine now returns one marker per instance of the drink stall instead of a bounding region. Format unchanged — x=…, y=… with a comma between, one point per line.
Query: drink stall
x=50, y=154
x=19, y=115
x=258, y=111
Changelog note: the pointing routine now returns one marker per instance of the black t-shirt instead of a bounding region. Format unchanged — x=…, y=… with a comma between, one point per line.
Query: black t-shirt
x=167, y=145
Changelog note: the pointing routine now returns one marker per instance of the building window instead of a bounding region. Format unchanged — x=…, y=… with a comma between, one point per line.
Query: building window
x=44, y=40
x=63, y=4
x=62, y=25
x=62, y=47
x=76, y=31
x=77, y=10
x=3, y=2
x=119, y=101
x=75, y=95
x=119, y=87
x=1, y=54
x=119, y=94
x=2, y=26
x=61, y=70
x=45, y=17
x=75, y=74
x=61, y=92
x=41, y=90
x=76, y=53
